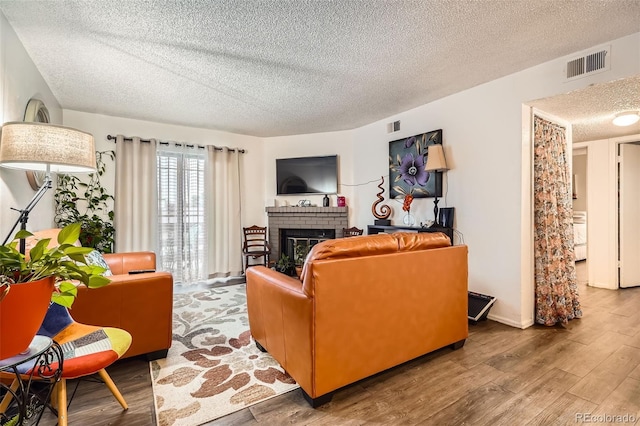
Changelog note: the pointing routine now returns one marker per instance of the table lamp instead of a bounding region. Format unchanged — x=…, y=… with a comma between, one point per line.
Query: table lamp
x=44, y=147
x=436, y=163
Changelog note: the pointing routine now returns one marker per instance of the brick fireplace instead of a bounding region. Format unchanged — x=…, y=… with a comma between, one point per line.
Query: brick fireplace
x=327, y=221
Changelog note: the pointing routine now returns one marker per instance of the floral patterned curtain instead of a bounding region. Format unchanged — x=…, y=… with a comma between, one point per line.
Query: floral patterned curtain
x=556, y=290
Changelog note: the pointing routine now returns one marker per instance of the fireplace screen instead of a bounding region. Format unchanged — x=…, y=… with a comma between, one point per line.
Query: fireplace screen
x=296, y=243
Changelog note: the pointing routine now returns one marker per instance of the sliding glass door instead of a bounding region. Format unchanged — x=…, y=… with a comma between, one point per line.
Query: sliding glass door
x=181, y=218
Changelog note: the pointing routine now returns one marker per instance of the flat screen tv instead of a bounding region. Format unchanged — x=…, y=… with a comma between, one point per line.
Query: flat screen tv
x=307, y=175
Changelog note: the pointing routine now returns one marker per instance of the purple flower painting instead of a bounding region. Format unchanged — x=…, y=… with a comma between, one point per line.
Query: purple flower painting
x=412, y=170
x=407, y=162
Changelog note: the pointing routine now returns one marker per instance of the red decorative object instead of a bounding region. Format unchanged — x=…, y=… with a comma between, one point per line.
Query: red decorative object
x=408, y=199
x=341, y=201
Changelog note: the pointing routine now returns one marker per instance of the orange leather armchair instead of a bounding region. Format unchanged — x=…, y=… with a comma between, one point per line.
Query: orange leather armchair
x=364, y=305
x=141, y=304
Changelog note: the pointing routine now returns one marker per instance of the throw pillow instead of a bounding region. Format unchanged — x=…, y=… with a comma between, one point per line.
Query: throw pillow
x=96, y=258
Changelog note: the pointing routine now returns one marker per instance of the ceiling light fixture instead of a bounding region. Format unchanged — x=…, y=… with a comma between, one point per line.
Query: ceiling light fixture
x=626, y=118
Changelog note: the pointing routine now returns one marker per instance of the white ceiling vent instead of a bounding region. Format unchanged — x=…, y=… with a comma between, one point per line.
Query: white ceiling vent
x=591, y=62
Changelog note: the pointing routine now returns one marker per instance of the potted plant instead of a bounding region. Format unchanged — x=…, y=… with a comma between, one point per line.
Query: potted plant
x=88, y=203
x=285, y=265
x=29, y=282
x=300, y=255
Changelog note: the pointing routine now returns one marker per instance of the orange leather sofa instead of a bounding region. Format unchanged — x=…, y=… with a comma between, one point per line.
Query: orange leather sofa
x=363, y=305
x=141, y=304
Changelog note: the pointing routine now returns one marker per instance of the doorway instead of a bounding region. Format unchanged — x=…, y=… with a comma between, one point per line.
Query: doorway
x=580, y=212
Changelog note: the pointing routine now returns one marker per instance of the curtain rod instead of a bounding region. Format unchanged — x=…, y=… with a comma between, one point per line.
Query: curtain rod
x=217, y=148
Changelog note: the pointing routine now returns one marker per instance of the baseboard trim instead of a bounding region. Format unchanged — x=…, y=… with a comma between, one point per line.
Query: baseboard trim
x=510, y=322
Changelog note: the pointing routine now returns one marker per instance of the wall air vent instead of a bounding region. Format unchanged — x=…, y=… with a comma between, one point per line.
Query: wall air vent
x=591, y=62
x=393, y=127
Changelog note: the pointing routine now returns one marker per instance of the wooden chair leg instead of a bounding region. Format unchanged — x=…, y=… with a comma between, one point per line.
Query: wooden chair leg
x=113, y=388
x=61, y=399
x=8, y=396
x=54, y=395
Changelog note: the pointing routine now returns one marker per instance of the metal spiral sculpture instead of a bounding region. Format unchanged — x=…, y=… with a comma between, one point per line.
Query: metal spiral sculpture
x=385, y=210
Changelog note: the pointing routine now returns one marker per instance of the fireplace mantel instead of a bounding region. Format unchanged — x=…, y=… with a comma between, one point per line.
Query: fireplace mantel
x=307, y=210
x=294, y=217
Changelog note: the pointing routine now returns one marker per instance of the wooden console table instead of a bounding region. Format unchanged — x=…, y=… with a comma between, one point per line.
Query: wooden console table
x=376, y=229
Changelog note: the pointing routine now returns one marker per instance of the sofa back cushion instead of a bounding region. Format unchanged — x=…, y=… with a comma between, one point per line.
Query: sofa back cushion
x=353, y=247
x=421, y=240
x=369, y=245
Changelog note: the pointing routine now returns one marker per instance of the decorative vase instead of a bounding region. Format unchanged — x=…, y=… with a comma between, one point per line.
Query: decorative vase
x=21, y=314
x=408, y=219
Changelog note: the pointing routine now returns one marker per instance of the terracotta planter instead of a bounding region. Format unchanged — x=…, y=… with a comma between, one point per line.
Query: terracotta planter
x=21, y=314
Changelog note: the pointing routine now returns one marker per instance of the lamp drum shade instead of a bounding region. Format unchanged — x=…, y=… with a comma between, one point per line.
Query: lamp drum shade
x=435, y=159
x=34, y=146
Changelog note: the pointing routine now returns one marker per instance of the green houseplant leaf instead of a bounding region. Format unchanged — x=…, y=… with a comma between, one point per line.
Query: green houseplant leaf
x=69, y=234
x=88, y=203
x=65, y=295
x=64, y=262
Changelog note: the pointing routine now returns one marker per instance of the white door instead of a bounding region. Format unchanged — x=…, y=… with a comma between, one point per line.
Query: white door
x=629, y=215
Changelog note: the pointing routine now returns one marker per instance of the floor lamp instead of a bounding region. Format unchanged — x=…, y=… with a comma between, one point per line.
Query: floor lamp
x=436, y=163
x=44, y=147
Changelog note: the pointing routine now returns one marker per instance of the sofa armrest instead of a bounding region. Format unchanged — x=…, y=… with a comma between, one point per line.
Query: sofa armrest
x=280, y=319
x=278, y=279
x=122, y=263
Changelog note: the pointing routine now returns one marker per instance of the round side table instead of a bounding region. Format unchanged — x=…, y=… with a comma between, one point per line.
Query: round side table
x=33, y=375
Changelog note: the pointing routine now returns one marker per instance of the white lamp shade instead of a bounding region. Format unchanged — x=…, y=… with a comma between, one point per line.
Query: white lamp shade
x=435, y=159
x=38, y=146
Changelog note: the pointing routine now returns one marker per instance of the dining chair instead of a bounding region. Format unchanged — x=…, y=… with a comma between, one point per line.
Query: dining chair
x=351, y=232
x=255, y=245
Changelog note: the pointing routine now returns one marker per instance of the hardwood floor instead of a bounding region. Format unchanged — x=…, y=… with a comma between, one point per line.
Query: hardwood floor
x=502, y=376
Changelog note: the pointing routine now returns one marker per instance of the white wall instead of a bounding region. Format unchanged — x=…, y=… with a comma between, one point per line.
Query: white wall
x=20, y=81
x=317, y=144
x=100, y=126
x=488, y=185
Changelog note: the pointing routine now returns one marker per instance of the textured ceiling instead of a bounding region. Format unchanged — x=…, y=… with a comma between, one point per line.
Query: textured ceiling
x=592, y=110
x=277, y=67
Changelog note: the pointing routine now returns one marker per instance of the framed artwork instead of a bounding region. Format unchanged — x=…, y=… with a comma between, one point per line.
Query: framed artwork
x=407, y=161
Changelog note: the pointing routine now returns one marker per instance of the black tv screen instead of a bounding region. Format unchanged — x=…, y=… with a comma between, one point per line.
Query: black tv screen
x=307, y=175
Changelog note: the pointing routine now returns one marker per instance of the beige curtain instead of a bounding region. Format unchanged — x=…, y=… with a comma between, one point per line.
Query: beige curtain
x=556, y=291
x=135, y=195
x=224, y=236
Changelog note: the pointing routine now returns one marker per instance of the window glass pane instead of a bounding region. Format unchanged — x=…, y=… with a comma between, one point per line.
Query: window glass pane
x=182, y=231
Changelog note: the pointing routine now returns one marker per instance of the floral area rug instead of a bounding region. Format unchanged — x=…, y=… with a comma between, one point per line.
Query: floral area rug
x=213, y=367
